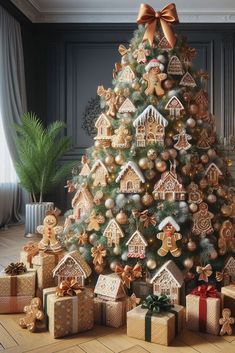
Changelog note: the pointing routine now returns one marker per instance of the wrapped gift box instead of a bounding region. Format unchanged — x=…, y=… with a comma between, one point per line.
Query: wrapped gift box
x=68, y=315
x=44, y=263
x=109, y=312
x=158, y=328
x=27, y=253
x=228, y=297
x=203, y=313
x=20, y=285
x=14, y=304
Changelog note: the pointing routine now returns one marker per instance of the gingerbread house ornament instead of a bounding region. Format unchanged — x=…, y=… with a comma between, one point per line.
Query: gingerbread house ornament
x=204, y=140
x=188, y=80
x=229, y=270
x=202, y=101
x=150, y=127
x=127, y=107
x=136, y=245
x=168, y=187
x=174, y=66
x=194, y=193
x=110, y=287
x=130, y=178
x=85, y=171
x=126, y=75
x=104, y=130
x=164, y=44
x=213, y=173
x=113, y=232
x=121, y=138
x=82, y=202
x=174, y=106
x=99, y=173
x=72, y=267
x=182, y=140
x=168, y=280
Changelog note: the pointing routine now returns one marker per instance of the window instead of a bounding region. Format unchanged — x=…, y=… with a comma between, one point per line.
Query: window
x=8, y=174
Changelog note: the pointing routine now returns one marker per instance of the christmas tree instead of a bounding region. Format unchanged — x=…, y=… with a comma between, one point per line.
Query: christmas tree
x=155, y=186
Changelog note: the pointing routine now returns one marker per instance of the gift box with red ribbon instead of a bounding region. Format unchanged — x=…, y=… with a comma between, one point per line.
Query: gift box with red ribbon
x=203, y=307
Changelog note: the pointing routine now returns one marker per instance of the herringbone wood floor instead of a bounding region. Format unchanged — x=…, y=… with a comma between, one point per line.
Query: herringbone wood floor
x=101, y=339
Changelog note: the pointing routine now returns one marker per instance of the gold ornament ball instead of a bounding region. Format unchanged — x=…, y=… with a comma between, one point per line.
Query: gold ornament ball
x=152, y=154
x=109, y=214
x=147, y=199
x=113, y=265
x=151, y=264
x=165, y=155
x=143, y=163
x=193, y=207
x=92, y=238
x=226, y=210
x=188, y=263
x=191, y=122
x=97, y=144
x=203, y=183
x=221, y=192
x=211, y=198
x=191, y=245
x=211, y=153
x=135, y=85
x=119, y=159
x=122, y=217
x=109, y=204
x=112, y=168
x=117, y=89
x=109, y=160
x=160, y=166
x=205, y=158
x=193, y=108
x=213, y=254
x=99, y=269
x=229, y=162
x=150, y=174
x=126, y=92
x=150, y=165
x=173, y=153
x=117, y=250
x=168, y=84
x=185, y=170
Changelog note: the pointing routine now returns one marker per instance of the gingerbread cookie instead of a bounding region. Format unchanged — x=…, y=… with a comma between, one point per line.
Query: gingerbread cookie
x=202, y=221
x=154, y=78
x=226, y=321
x=169, y=237
x=33, y=313
x=49, y=231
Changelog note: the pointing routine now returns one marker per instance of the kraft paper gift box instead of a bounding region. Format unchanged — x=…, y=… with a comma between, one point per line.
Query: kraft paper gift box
x=44, y=263
x=228, y=297
x=20, y=285
x=68, y=315
x=203, y=308
x=27, y=253
x=158, y=328
x=9, y=305
x=109, y=312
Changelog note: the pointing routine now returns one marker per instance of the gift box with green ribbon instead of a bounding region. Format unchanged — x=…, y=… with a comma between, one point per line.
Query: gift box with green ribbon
x=156, y=320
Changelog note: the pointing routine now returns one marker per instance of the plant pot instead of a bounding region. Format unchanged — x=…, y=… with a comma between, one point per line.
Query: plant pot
x=34, y=215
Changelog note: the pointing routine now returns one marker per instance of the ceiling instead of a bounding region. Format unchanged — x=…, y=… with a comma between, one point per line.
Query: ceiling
x=90, y=11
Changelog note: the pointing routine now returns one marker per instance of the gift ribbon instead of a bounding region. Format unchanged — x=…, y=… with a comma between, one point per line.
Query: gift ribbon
x=32, y=249
x=128, y=273
x=204, y=292
x=68, y=288
x=167, y=16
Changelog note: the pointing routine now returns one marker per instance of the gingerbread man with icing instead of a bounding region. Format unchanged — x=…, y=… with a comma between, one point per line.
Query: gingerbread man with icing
x=49, y=231
x=169, y=237
x=33, y=313
x=226, y=321
x=154, y=77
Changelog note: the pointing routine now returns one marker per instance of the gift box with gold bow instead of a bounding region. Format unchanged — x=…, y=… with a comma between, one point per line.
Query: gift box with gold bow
x=69, y=309
x=156, y=320
x=228, y=298
x=203, y=307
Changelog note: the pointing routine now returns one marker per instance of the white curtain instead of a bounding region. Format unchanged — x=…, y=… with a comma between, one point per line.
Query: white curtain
x=12, y=106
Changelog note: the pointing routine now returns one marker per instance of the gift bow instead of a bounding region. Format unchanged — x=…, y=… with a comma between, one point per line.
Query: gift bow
x=133, y=301
x=157, y=303
x=98, y=253
x=128, y=273
x=32, y=249
x=145, y=217
x=219, y=276
x=204, y=272
x=68, y=288
x=167, y=16
x=15, y=269
x=205, y=291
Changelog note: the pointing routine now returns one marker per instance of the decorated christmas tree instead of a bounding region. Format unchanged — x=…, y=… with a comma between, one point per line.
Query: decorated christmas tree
x=155, y=186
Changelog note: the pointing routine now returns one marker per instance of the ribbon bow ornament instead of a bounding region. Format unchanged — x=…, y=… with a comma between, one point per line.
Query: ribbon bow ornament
x=133, y=301
x=145, y=217
x=221, y=275
x=204, y=272
x=157, y=303
x=205, y=291
x=167, y=16
x=128, y=273
x=98, y=253
x=15, y=269
x=68, y=288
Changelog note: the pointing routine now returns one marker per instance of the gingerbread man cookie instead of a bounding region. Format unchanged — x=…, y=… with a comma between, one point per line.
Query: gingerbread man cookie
x=49, y=231
x=226, y=321
x=226, y=240
x=33, y=313
x=141, y=53
x=112, y=100
x=202, y=221
x=154, y=78
x=169, y=237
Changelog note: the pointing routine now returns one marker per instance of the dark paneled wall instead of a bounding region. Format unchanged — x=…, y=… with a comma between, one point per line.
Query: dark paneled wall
x=66, y=62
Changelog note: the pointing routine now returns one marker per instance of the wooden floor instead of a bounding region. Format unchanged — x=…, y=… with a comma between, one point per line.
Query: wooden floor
x=101, y=339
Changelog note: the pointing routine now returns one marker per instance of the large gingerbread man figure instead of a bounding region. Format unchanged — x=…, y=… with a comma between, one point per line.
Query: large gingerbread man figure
x=169, y=237
x=49, y=231
x=154, y=77
x=33, y=313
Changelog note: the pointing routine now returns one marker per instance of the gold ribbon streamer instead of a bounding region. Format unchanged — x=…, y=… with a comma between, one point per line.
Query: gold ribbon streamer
x=167, y=16
x=68, y=288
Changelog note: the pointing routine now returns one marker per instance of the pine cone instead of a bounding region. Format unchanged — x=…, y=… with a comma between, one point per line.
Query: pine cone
x=15, y=269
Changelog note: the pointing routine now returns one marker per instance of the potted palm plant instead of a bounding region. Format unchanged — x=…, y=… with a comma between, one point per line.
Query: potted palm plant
x=39, y=152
